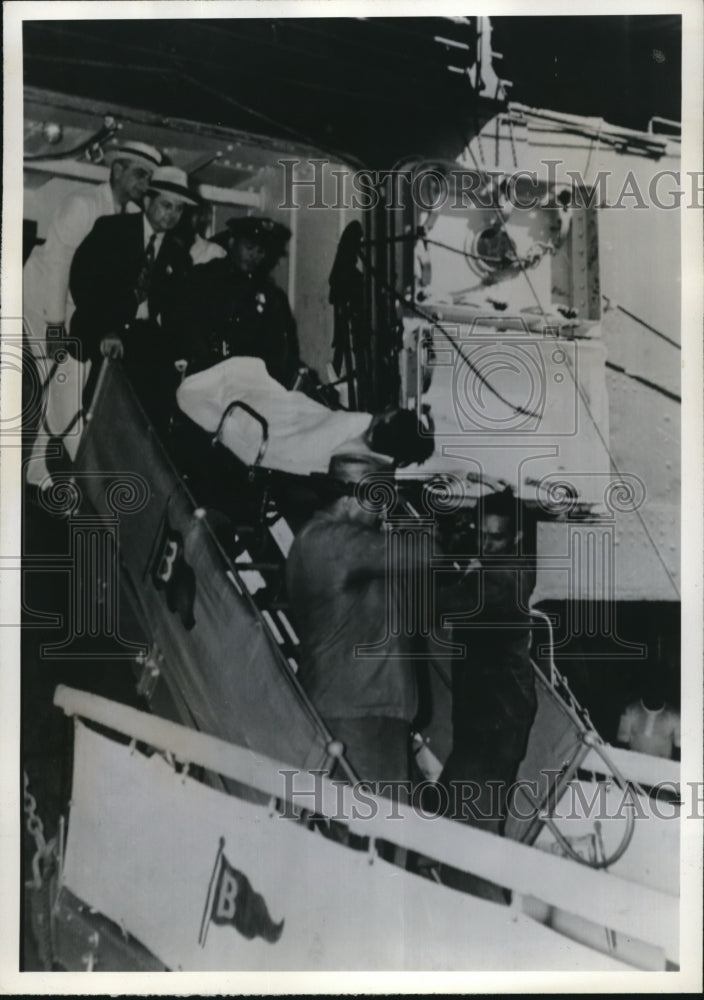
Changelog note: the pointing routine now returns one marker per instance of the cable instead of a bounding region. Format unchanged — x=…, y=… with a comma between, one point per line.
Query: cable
x=652, y=329
x=420, y=234
x=656, y=387
x=617, y=470
x=221, y=95
x=300, y=136
x=502, y=223
x=465, y=253
x=438, y=326
x=587, y=407
x=616, y=467
x=639, y=378
x=594, y=143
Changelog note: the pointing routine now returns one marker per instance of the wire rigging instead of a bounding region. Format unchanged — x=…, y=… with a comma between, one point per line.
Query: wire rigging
x=658, y=333
x=655, y=386
x=644, y=381
x=585, y=400
x=435, y=324
x=618, y=472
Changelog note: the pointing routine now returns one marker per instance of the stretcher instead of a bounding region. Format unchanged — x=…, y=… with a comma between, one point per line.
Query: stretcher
x=262, y=423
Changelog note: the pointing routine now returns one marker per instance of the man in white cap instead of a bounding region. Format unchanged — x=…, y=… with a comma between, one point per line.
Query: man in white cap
x=127, y=279
x=47, y=304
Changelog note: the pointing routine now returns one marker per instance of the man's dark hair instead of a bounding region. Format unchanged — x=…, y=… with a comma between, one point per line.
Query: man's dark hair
x=502, y=504
x=124, y=163
x=399, y=435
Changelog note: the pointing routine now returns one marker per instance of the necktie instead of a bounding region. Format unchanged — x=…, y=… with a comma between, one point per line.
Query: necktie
x=145, y=274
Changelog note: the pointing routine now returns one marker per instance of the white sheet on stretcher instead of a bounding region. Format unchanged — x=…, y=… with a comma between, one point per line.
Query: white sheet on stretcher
x=303, y=434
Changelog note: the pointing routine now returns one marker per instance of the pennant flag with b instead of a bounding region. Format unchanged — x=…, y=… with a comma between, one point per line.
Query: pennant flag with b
x=232, y=900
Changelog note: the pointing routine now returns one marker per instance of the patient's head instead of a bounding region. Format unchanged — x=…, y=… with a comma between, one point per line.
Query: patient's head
x=401, y=435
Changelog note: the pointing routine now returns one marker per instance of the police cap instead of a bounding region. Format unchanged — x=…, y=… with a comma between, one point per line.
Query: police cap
x=272, y=236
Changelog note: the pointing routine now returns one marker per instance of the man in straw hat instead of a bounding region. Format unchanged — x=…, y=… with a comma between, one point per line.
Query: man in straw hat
x=344, y=592
x=47, y=303
x=127, y=279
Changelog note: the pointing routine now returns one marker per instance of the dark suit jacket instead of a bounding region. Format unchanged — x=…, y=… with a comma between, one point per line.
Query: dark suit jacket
x=104, y=274
x=493, y=687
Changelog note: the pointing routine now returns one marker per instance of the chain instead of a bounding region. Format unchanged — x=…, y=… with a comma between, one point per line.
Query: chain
x=34, y=824
x=43, y=883
x=35, y=828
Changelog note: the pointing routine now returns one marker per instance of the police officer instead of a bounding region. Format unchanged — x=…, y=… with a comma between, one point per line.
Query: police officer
x=237, y=308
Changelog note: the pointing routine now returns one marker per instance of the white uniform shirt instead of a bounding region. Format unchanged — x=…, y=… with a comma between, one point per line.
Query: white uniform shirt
x=203, y=251
x=654, y=732
x=46, y=273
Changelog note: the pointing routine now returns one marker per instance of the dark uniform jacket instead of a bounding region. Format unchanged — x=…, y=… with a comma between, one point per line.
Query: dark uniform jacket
x=235, y=314
x=493, y=686
x=104, y=276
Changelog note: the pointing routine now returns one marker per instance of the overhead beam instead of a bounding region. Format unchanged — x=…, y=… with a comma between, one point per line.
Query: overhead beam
x=86, y=106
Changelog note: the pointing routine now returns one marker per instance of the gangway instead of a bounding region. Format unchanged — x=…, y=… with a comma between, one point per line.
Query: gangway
x=221, y=660
x=165, y=843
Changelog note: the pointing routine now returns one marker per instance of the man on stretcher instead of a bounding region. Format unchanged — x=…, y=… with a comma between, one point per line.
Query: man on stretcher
x=302, y=433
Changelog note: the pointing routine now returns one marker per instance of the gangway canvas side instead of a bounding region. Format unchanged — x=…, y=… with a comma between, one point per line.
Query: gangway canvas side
x=170, y=839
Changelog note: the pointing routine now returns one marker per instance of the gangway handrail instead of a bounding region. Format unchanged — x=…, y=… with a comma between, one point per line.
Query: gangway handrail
x=602, y=898
x=640, y=769
x=591, y=746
